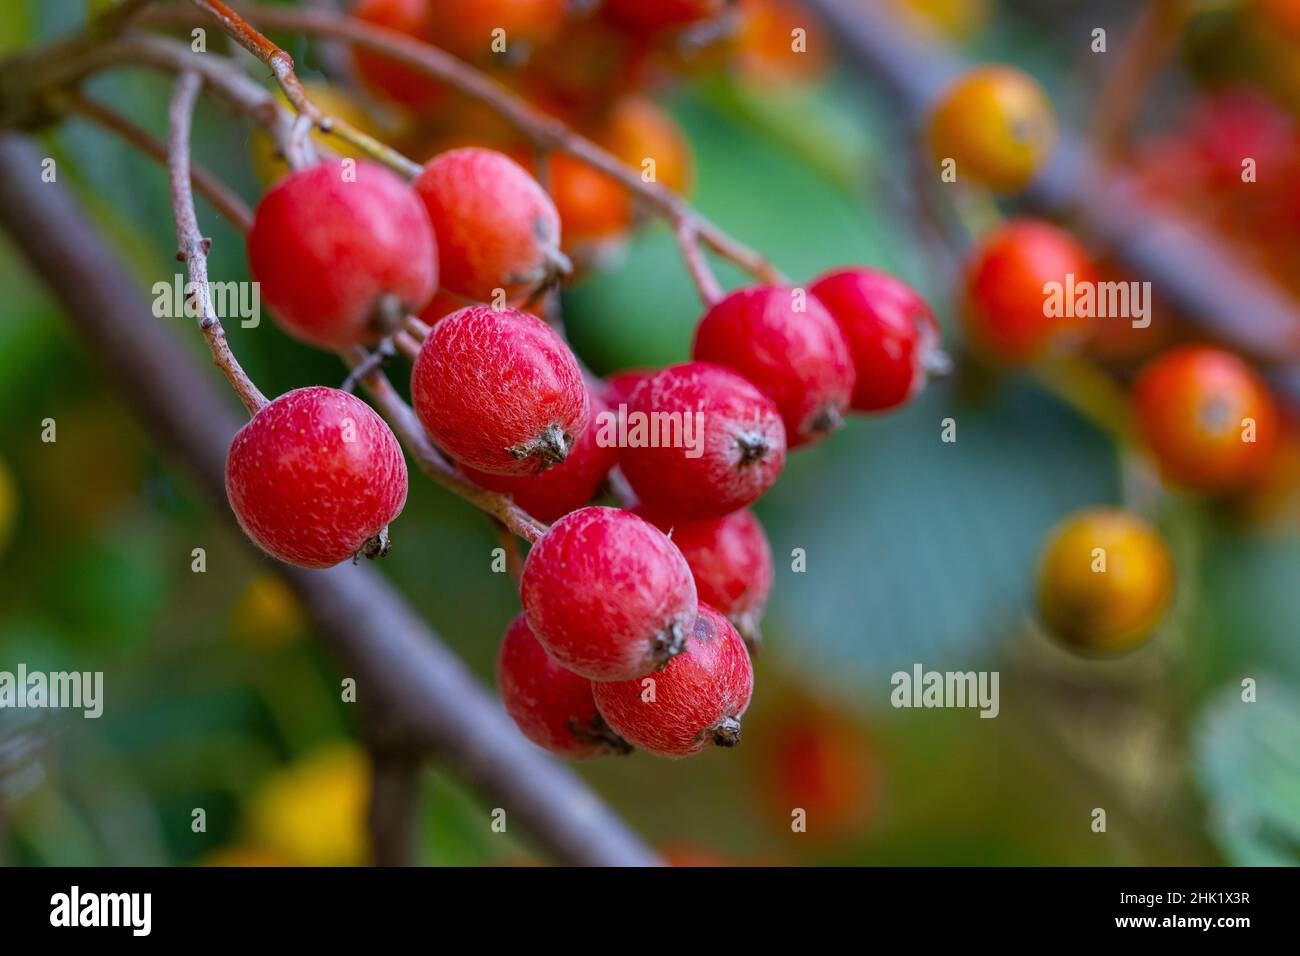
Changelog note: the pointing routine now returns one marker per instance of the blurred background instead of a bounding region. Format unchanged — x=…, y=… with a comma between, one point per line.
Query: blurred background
x=218, y=697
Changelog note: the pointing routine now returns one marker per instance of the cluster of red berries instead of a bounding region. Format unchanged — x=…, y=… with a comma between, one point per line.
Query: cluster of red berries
x=629, y=632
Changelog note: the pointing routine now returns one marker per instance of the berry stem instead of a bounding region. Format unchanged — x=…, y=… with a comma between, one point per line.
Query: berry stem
x=546, y=132
x=706, y=283
x=193, y=248
x=281, y=64
x=430, y=460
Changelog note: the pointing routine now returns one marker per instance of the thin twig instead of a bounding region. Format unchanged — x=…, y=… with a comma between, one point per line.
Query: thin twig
x=281, y=64
x=546, y=132
x=510, y=544
x=193, y=248
x=706, y=283
x=222, y=197
x=430, y=460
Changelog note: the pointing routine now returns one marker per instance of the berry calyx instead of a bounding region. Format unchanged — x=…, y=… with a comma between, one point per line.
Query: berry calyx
x=891, y=332
x=1207, y=418
x=997, y=123
x=497, y=228
x=731, y=561
x=571, y=484
x=316, y=477
x=1005, y=303
x=608, y=595
x=550, y=705
x=695, y=702
x=787, y=344
x=1105, y=580
x=343, y=253
x=701, y=442
x=499, y=391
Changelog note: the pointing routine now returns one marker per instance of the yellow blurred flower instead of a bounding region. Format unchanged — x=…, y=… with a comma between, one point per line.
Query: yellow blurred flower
x=267, y=615
x=313, y=812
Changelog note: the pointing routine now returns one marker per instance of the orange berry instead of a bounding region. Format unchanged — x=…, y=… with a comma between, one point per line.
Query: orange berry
x=1207, y=418
x=1005, y=295
x=1105, y=580
x=997, y=123
x=640, y=130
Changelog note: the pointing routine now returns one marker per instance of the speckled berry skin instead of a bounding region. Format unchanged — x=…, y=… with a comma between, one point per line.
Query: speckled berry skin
x=314, y=476
x=743, y=446
x=607, y=594
x=731, y=561
x=499, y=391
x=890, y=330
x=497, y=228
x=699, y=697
x=551, y=706
x=564, y=487
x=799, y=359
x=328, y=253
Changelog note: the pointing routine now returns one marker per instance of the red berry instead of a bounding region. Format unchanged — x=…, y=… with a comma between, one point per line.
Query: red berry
x=731, y=561
x=787, y=344
x=316, y=477
x=551, y=706
x=342, y=258
x=697, y=700
x=499, y=390
x=607, y=594
x=732, y=447
x=620, y=385
x=559, y=490
x=1005, y=300
x=400, y=83
x=891, y=332
x=497, y=228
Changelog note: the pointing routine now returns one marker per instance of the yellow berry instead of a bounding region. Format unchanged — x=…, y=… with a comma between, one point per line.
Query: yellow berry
x=996, y=122
x=314, y=811
x=1105, y=581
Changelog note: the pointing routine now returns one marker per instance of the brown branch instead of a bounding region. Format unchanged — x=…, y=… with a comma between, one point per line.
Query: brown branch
x=430, y=460
x=394, y=806
x=223, y=198
x=412, y=680
x=1201, y=276
x=193, y=248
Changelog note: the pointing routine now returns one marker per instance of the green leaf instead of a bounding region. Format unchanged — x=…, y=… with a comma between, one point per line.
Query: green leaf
x=920, y=550
x=1248, y=764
